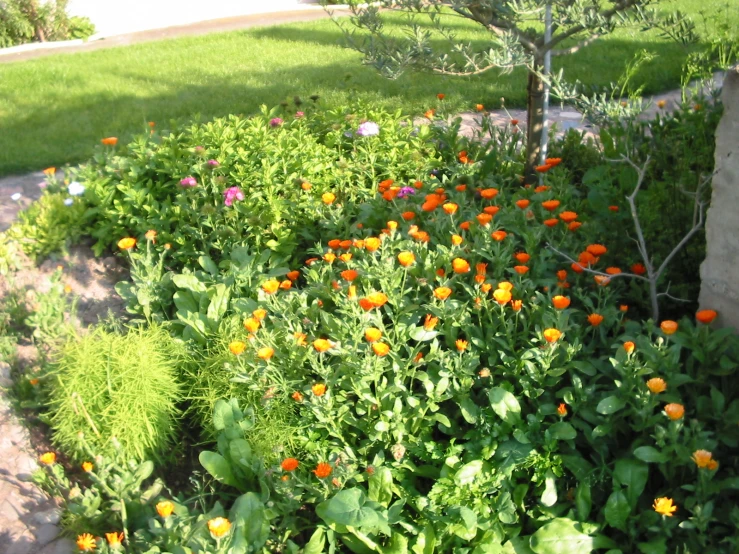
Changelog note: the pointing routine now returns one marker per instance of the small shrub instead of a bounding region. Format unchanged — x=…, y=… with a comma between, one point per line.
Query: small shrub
x=107, y=385
x=23, y=21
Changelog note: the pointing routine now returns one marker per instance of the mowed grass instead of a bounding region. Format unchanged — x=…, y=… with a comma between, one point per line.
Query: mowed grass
x=55, y=110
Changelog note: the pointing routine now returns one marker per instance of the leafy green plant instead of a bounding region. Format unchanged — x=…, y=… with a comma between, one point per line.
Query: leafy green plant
x=23, y=21
x=111, y=386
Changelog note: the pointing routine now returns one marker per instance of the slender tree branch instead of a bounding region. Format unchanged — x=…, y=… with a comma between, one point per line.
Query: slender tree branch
x=593, y=271
x=582, y=44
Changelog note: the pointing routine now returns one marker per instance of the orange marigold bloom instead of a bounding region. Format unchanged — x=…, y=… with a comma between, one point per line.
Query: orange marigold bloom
x=481, y=268
x=440, y=96
x=460, y=265
x=465, y=225
x=311, y=261
x=365, y=304
x=386, y=184
x=321, y=345
x=305, y=185
x=514, y=122
x=560, y=302
x=664, y=506
x=460, y=188
x=484, y=287
x=406, y=259
x=554, y=162
x=271, y=286
x=613, y=208
x=562, y=274
x=289, y=464
x=300, y=338
x=252, y=324
x=127, y=243
x=429, y=114
x=499, y=235
x=629, y=347
x=586, y=258
x=596, y=249
x=516, y=305
x=334, y=244
x=47, y=458
x=520, y=269
x=377, y=299
x=492, y=210
x=541, y=188
x=656, y=385
x=562, y=409
x=638, y=269
x=568, y=217
x=286, y=284
x=237, y=347
x=114, y=539
x=577, y=268
x=522, y=257
x=110, y=141
x=328, y=198
x=489, y=194
x=613, y=270
x=421, y=236
x=574, y=226
x=265, y=353
x=552, y=335
x=441, y=272
x=418, y=185
x=668, y=326
x=349, y=275
x=430, y=322
x=380, y=348
x=551, y=222
x=407, y=216
x=550, y=205
x=318, y=389
x=450, y=208
x=49, y=171
x=703, y=459
x=442, y=293
x=502, y=296
x=430, y=205
x=543, y=168
x=165, y=508
x=463, y=158
x=479, y=107
x=461, y=345
x=297, y=396
x=322, y=470
x=293, y=275
x=86, y=542
x=601, y=280
x=457, y=240
x=87, y=467
x=706, y=316
x=523, y=203
x=219, y=527
x=675, y=411
x=372, y=334
x=483, y=218
x=623, y=308
x=595, y=319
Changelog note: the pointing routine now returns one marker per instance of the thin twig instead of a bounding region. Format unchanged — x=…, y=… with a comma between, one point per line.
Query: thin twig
x=593, y=271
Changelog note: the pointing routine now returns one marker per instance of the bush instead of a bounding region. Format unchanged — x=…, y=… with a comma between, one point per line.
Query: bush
x=106, y=385
x=23, y=21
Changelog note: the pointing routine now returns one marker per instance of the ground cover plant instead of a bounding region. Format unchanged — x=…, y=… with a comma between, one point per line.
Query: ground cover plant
x=53, y=110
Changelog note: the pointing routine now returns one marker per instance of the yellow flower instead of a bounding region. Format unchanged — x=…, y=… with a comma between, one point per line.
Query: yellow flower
x=87, y=466
x=265, y=353
x=251, y=324
x=381, y=349
x=461, y=345
x=319, y=389
x=151, y=235
x=127, y=243
x=47, y=458
x=219, y=526
x=165, y=508
x=237, y=347
x=372, y=334
x=552, y=335
x=656, y=385
x=664, y=506
x=114, y=539
x=86, y=542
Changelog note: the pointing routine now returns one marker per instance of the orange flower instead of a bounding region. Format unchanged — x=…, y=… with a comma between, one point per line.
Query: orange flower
x=351, y=292
x=516, y=305
x=463, y=158
x=704, y=459
x=114, y=539
x=595, y=319
x=551, y=222
x=489, y=194
x=623, y=308
x=372, y=334
x=293, y=275
x=328, y=198
x=664, y=506
x=520, y=269
x=450, y=208
x=219, y=527
x=407, y=216
x=562, y=409
x=329, y=257
x=668, y=326
x=596, y=249
x=550, y=205
x=421, y=236
x=430, y=322
x=127, y=243
x=541, y=188
x=406, y=259
x=440, y=96
x=629, y=347
x=656, y=385
x=574, y=226
x=311, y=261
x=560, y=302
x=706, y=316
x=479, y=107
x=334, y=244
x=484, y=287
x=638, y=269
x=543, y=168
x=110, y=141
x=460, y=266
x=613, y=208
x=318, y=389
x=297, y=396
x=365, y=304
x=568, y=217
x=271, y=286
x=377, y=299
x=499, y=235
x=562, y=274
x=522, y=257
x=289, y=464
x=613, y=270
x=554, y=162
x=47, y=458
x=460, y=188
x=165, y=508
x=675, y=411
x=305, y=185
x=523, y=203
x=429, y=114
x=86, y=542
x=322, y=470
x=457, y=240
x=265, y=353
x=251, y=324
x=300, y=338
x=465, y=225
x=349, y=275
x=321, y=345
x=442, y=293
x=237, y=347
x=484, y=219
x=286, y=284
x=514, y=122
x=430, y=205
x=502, y=296
x=372, y=244
x=586, y=258
x=441, y=272
x=87, y=467
x=551, y=335
x=601, y=280
x=49, y=171
x=577, y=268
x=380, y=348
x=492, y=210
x=418, y=185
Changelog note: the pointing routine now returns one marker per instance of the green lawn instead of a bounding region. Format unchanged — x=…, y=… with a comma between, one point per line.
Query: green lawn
x=55, y=109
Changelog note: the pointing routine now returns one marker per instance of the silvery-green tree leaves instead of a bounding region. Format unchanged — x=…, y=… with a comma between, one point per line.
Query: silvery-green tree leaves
x=516, y=39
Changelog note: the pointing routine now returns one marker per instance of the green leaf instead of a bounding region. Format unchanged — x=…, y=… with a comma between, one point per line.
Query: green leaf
x=219, y=296
x=381, y=486
x=188, y=282
x=469, y=410
x=467, y=473
x=655, y=546
x=240, y=452
x=398, y=544
x=426, y=541
x=208, y=265
x=316, y=543
x=420, y=334
x=222, y=415
x=583, y=502
x=650, y=455
x=610, y=405
x=617, y=510
x=549, y=497
x=218, y=467
x=505, y=405
x=251, y=525
x=348, y=508
x=467, y=529
x=562, y=431
x=633, y=475
x=561, y=536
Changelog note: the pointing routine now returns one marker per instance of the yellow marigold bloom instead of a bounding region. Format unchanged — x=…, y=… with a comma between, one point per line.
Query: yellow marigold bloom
x=457, y=240
x=380, y=348
x=675, y=411
x=127, y=243
x=460, y=265
x=219, y=527
x=656, y=385
x=502, y=296
x=86, y=542
x=702, y=458
x=49, y=171
x=47, y=458
x=251, y=324
x=664, y=506
x=321, y=345
x=552, y=335
x=372, y=244
x=406, y=259
x=87, y=467
x=114, y=539
x=377, y=299
x=265, y=353
x=328, y=198
x=372, y=334
x=461, y=345
x=237, y=347
x=319, y=389
x=165, y=508
x=271, y=286
x=668, y=326
x=505, y=285
x=442, y=293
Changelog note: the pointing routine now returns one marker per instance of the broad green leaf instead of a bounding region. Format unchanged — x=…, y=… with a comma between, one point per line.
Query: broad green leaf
x=549, y=497
x=398, y=544
x=381, y=486
x=469, y=410
x=561, y=536
x=610, y=405
x=633, y=475
x=219, y=296
x=208, y=265
x=188, y=282
x=583, y=501
x=316, y=543
x=426, y=541
x=467, y=529
x=218, y=467
x=650, y=455
x=655, y=546
x=562, y=431
x=222, y=415
x=505, y=405
x=348, y=508
x=240, y=452
x=419, y=334
x=617, y=510
x=467, y=473
x=248, y=518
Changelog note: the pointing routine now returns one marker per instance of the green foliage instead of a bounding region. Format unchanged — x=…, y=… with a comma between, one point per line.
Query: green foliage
x=23, y=21
x=109, y=386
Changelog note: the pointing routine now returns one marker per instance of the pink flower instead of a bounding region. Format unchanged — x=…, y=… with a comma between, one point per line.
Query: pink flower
x=188, y=182
x=298, y=115
x=234, y=193
x=213, y=163
x=275, y=122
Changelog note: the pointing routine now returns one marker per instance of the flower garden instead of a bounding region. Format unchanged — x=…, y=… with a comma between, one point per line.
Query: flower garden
x=352, y=331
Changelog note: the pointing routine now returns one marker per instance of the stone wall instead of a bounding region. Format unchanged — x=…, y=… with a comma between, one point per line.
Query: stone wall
x=720, y=270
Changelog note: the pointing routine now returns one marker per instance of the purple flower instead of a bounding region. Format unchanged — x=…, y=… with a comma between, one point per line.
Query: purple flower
x=368, y=129
x=188, y=182
x=199, y=149
x=298, y=115
x=213, y=163
x=234, y=193
x=275, y=122
x=405, y=191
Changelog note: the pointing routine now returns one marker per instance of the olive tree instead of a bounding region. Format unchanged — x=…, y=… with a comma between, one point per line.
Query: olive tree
x=517, y=37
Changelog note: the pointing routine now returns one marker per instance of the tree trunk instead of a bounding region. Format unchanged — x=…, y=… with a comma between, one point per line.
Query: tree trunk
x=534, y=123
x=32, y=12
